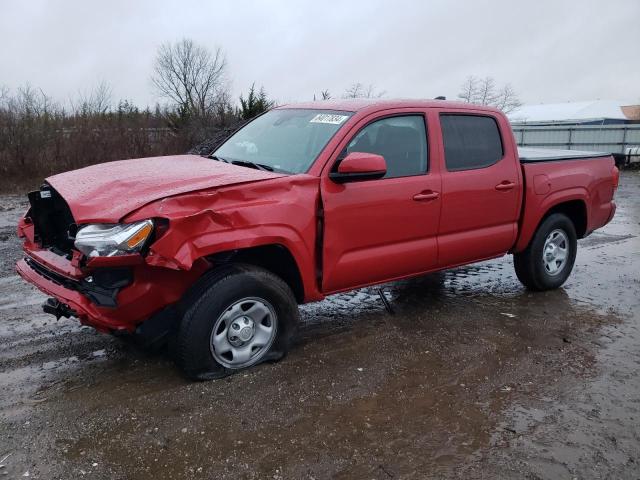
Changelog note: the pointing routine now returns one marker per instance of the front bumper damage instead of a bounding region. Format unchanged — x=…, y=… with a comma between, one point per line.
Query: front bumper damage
x=111, y=299
x=101, y=287
x=70, y=301
x=112, y=294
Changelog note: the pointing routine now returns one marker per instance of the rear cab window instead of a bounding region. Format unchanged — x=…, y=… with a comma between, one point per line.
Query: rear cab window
x=470, y=141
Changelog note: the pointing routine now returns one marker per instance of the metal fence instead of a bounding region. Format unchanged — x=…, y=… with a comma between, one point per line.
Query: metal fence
x=614, y=139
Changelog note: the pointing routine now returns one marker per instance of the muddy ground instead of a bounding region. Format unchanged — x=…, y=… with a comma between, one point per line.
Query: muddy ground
x=473, y=377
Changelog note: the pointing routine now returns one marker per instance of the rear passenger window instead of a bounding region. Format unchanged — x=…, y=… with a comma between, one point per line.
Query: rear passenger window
x=402, y=141
x=470, y=141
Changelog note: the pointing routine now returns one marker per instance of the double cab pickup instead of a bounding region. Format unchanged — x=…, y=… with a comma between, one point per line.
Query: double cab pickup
x=212, y=253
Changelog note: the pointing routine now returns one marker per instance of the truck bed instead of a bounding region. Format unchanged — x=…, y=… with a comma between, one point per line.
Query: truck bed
x=530, y=155
x=584, y=178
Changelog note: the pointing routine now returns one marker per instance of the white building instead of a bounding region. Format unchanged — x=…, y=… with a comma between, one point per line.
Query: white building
x=596, y=112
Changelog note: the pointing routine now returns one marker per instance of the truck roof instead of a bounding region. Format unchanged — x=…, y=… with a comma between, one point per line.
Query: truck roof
x=374, y=104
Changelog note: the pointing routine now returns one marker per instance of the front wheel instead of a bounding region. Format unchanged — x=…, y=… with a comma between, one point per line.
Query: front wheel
x=548, y=260
x=244, y=316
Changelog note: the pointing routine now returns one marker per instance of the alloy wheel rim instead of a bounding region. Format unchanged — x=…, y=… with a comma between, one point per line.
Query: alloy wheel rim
x=243, y=333
x=555, y=252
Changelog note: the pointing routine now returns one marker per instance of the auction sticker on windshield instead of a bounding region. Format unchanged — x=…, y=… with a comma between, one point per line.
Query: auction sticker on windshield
x=329, y=118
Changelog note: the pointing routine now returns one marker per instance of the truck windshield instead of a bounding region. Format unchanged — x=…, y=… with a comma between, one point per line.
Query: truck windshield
x=283, y=140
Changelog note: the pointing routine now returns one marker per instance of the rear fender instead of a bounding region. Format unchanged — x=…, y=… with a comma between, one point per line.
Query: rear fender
x=536, y=209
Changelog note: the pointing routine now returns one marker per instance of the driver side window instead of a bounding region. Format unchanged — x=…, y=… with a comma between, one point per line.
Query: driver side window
x=402, y=141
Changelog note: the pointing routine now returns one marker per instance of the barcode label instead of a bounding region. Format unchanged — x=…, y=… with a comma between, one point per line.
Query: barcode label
x=329, y=118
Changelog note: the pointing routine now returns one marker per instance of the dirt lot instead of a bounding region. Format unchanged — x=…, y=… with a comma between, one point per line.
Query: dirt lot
x=473, y=377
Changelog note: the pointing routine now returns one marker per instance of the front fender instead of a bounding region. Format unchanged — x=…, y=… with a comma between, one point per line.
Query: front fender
x=280, y=211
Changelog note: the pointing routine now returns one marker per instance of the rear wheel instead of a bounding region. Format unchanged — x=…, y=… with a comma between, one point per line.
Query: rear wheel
x=548, y=260
x=243, y=316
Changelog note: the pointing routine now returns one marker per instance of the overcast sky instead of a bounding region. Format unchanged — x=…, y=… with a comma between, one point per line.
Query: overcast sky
x=550, y=51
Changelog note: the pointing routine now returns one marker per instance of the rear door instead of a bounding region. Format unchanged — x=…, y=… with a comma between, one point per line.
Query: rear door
x=377, y=230
x=481, y=187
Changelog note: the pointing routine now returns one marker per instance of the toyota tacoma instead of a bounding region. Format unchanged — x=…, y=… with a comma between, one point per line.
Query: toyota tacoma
x=211, y=254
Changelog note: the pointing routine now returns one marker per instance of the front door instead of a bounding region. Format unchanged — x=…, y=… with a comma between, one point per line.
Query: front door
x=377, y=230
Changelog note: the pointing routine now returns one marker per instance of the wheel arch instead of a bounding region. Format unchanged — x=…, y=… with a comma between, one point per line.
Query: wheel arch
x=575, y=210
x=275, y=258
x=574, y=204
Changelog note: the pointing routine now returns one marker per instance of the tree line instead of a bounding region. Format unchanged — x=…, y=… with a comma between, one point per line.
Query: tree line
x=40, y=137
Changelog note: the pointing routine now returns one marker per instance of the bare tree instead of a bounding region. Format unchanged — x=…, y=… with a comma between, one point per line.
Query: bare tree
x=190, y=76
x=469, y=90
x=354, y=91
x=507, y=100
x=4, y=94
x=97, y=101
x=27, y=122
x=487, y=91
x=359, y=90
x=484, y=91
x=30, y=102
x=39, y=138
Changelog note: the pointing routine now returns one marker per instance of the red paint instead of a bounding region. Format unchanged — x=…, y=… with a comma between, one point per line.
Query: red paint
x=372, y=231
x=108, y=191
x=588, y=181
x=541, y=184
x=122, y=260
x=358, y=162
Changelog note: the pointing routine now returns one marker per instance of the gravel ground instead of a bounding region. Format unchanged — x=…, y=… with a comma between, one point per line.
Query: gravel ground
x=472, y=377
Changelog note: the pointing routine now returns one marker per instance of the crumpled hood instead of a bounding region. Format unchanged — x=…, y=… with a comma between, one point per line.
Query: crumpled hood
x=109, y=191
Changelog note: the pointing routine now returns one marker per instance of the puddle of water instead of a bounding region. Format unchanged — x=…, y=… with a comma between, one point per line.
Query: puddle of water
x=588, y=429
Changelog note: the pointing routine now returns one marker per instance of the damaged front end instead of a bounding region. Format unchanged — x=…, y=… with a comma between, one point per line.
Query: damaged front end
x=119, y=254
x=95, y=272
x=51, y=219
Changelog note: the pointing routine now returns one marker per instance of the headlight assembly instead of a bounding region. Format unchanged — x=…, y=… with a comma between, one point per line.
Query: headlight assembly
x=110, y=240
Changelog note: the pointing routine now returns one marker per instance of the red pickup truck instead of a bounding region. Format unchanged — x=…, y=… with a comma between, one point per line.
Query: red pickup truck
x=214, y=253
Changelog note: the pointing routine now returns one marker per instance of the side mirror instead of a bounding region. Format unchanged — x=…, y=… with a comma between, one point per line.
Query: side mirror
x=360, y=166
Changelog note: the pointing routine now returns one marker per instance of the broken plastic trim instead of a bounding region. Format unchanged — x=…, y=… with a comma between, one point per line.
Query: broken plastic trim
x=101, y=287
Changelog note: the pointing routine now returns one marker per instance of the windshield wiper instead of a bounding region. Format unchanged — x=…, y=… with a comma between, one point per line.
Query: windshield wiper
x=220, y=159
x=257, y=166
x=244, y=163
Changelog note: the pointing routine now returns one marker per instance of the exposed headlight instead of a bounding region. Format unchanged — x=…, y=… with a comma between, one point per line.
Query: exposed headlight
x=109, y=240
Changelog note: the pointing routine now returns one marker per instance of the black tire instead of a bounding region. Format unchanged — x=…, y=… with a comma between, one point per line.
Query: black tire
x=530, y=264
x=207, y=304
